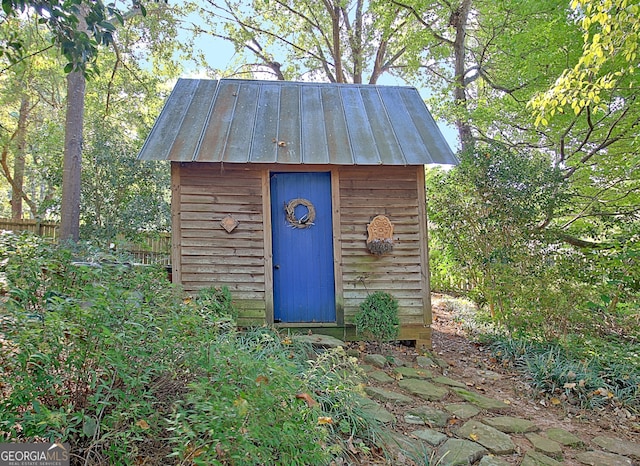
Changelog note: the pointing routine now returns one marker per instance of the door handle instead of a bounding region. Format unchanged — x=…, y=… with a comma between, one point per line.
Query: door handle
x=277, y=267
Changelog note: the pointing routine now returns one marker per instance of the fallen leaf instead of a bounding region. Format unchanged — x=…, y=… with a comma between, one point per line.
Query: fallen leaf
x=324, y=420
x=262, y=380
x=306, y=397
x=570, y=385
x=507, y=402
x=473, y=436
x=287, y=341
x=142, y=424
x=242, y=405
x=555, y=401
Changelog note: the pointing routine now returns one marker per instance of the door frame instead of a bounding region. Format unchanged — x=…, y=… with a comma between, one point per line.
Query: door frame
x=268, y=242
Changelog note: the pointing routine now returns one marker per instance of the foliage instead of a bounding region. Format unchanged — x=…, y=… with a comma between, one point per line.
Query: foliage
x=78, y=28
x=87, y=346
x=609, y=59
x=562, y=372
x=110, y=358
x=378, y=317
x=216, y=302
x=347, y=41
x=119, y=195
x=486, y=214
x=243, y=409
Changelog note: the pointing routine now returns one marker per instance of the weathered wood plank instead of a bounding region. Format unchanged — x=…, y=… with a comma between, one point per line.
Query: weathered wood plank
x=176, y=241
x=223, y=260
x=215, y=251
x=224, y=243
x=337, y=250
x=268, y=246
x=223, y=199
x=192, y=281
x=220, y=191
x=228, y=269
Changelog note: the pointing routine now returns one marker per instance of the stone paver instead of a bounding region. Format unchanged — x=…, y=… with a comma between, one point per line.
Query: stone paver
x=413, y=419
x=397, y=361
x=544, y=445
x=423, y=389
x=383, y=395
x=562, y=436
x=601, y=458
x=619, y=446
x=432, y=437
x=492, y=439
x=511, y=425
x=449, y=382
x=485, y=439
x=490, y=460
x=431, y=416
x=424, y=362
x=376, y=360
x=320, y=341
x=378, y=412
x=535, y=458
x=459, y=452
x=481, y=401
x=380, y=376
x=411, y=448
x=411, y=373
x=463, y=410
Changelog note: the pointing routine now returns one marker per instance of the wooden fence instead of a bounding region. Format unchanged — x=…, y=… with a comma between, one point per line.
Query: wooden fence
x=44, y=229
x=152, y=248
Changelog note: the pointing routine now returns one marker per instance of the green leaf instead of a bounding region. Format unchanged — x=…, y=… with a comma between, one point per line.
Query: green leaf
x=68, y=68
x=89, y=426
x=7, y=7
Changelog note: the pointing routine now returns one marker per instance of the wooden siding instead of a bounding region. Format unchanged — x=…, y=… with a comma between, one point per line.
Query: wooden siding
x=209, y=256
x=242, y=260
x=392, y=191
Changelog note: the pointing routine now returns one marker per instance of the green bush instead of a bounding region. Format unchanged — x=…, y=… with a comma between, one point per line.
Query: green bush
x=378, y=317
x=243, y=409
x=112, y=359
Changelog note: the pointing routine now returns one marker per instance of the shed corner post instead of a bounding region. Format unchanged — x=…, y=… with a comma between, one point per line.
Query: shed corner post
x=268, y=247
x=424, y=251
x=176, y=227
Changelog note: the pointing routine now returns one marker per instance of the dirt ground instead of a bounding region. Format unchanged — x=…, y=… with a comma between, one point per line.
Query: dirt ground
x=468, y=361
x=472, y=364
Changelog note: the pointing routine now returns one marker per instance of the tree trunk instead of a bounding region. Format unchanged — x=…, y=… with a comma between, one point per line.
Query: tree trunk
x=459, y=20
x=72, y=168
x=17, y=187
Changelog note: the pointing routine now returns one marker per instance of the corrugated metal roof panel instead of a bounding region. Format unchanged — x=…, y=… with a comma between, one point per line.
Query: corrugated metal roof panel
x=242, y=121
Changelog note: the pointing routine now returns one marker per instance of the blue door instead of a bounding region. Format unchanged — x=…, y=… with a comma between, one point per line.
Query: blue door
x=302, y=238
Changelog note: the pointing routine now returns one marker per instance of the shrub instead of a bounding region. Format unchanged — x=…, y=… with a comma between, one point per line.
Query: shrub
x=378, y=317
x=113, y=360
x=243, y=409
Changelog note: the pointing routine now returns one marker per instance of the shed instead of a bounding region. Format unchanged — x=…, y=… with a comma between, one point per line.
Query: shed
x=301, y=198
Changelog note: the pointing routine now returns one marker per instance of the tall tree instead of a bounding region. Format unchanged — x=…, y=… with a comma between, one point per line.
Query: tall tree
x=330, y=40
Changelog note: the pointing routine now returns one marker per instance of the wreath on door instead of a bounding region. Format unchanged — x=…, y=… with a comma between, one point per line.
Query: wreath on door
x=306, y=220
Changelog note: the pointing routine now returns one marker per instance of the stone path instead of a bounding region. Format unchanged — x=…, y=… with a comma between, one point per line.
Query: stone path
x=434, y=419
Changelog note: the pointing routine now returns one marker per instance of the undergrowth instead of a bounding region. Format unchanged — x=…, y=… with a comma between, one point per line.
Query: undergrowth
x=590, y=371
x=113, y=359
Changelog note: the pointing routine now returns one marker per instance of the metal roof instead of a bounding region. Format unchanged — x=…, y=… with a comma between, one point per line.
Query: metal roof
x=244, y=121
